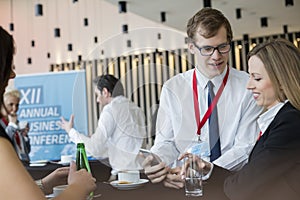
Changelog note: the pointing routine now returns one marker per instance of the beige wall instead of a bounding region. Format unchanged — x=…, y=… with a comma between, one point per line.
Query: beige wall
x=105, y=22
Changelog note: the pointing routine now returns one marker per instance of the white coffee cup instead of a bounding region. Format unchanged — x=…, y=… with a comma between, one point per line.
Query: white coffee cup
x=59, y=189
x=66, y=158
x=127, y=177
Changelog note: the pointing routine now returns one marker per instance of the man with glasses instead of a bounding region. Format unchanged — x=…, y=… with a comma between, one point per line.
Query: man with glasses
x=190, y=117
x=209, y=50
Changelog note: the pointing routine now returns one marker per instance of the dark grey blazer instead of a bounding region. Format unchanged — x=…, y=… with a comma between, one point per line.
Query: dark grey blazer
x=273, y=170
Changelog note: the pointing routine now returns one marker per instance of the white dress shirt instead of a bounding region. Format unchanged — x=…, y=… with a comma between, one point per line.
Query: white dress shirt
x=267, y=117
x=237, y=114
x=119, y=135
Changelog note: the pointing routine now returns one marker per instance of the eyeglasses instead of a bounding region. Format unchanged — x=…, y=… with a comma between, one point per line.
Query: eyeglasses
x=209, y=50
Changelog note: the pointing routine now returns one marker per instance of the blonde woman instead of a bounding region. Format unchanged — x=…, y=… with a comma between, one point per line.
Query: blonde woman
x=18, y=132
x=273, y=171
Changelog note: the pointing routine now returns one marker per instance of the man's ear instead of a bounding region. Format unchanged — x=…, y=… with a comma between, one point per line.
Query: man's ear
x=191, y=47
x=105, y=92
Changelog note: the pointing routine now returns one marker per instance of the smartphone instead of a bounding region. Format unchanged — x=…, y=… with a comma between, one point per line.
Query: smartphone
x=156, y=160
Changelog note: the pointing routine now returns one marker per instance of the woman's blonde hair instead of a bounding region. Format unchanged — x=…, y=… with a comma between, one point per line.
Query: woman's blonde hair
x=281, y=59
x=12, y=92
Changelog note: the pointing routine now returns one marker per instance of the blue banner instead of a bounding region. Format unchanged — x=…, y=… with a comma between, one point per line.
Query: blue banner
x=44, y=99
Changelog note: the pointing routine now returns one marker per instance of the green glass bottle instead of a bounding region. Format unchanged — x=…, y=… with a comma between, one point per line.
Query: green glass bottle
x=82, y=161
x=81, y=158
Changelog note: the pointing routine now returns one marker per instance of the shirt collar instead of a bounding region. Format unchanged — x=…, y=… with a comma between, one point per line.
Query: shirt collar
x=266, y=118
x=217, y=80
x=113, y=99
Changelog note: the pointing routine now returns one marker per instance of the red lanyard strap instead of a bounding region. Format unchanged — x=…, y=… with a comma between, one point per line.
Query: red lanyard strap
x=200, y=123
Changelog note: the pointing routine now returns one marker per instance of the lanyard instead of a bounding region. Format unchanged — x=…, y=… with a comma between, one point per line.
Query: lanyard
x=200, y=123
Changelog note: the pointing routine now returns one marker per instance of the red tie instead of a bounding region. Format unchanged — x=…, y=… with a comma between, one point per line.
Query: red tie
x=17, y=137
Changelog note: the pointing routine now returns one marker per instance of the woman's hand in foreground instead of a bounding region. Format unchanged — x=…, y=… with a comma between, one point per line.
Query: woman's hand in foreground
x=81, y=184
x=57, y=177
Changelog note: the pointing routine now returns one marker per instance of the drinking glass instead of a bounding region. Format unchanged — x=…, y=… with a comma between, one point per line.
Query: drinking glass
x=193, y=175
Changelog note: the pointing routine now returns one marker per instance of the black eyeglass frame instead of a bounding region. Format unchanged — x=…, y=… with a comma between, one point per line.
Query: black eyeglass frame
x=214, y=48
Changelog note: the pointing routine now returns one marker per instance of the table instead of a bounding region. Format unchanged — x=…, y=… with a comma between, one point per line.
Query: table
x=213, y=189
x=100, y=171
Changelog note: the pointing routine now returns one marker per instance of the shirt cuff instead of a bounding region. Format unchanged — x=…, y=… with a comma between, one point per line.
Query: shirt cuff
x=204, y=178
x=74, y=136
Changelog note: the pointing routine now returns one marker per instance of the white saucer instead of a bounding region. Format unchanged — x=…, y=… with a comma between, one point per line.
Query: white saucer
x=50, y=196
x=37, y=164
x=129, y=186
x=61, y=163
x=39, y=161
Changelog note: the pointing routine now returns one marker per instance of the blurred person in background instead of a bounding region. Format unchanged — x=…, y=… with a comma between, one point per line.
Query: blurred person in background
x=121, y=127
x=17, y=131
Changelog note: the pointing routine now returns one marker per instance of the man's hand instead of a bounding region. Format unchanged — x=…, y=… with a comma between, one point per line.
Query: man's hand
x=173, y=179
x=67, y=125
x=156, y=173
x=202, y=165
